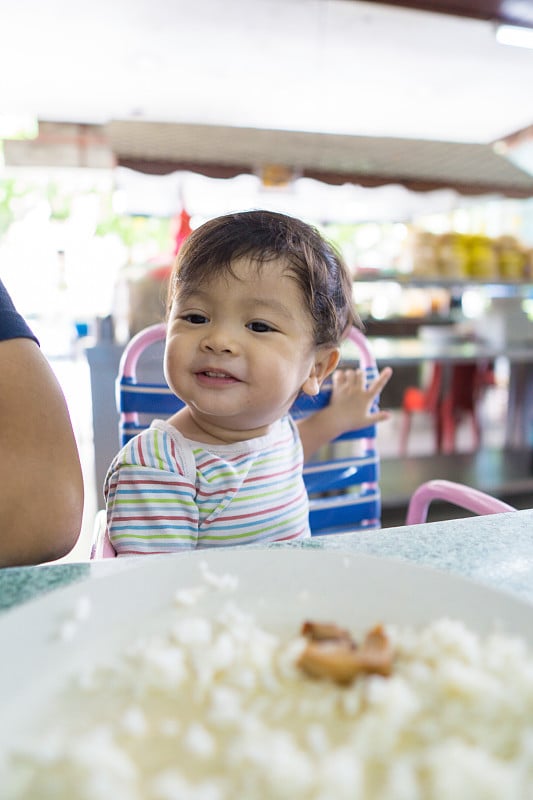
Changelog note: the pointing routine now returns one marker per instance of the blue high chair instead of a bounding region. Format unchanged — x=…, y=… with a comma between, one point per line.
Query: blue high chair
x=350, y=472
x=342, y=480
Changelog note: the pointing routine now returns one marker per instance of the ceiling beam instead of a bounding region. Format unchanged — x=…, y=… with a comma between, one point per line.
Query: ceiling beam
x=509, y=12
x=217, y=170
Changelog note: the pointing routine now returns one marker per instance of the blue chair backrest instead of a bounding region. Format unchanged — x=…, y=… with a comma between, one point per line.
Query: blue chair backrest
x=342, y=480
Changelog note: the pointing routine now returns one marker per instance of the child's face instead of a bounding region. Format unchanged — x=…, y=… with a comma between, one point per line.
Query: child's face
x=239, y=350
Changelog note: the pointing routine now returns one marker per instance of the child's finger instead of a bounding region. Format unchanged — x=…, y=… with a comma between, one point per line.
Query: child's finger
x=378, y=416
x=381, y=381
x=346, y=374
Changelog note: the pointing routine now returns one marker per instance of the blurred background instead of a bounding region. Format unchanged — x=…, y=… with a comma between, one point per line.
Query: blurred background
x=403, y=130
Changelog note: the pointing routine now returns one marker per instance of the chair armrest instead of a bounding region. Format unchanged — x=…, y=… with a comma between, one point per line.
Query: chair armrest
x=456, y=493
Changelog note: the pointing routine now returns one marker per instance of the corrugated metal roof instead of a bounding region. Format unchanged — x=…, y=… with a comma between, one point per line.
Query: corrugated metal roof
x=218, y=150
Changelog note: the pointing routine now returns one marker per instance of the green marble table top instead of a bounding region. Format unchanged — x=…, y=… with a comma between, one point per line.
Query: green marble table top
x=496, y=550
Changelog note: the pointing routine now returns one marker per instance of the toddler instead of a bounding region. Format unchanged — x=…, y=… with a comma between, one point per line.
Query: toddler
x=258, y=305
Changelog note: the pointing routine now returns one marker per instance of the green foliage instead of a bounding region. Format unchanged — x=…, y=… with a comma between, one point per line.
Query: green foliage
x=341, y=234
x=132, y=230
x=60, y=203
x=11, y=190
x=18, y=196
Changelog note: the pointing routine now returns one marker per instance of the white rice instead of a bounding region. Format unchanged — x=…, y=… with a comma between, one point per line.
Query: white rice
x=215, y=709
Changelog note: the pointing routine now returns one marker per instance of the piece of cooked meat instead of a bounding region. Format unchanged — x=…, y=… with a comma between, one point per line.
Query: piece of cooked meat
x=338, y=657
x=319, y=631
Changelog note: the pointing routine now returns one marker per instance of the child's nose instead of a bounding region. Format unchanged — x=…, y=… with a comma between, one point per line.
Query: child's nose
x=219, y=339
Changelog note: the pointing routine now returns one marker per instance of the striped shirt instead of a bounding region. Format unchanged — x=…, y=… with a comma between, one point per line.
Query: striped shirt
x=166, y=493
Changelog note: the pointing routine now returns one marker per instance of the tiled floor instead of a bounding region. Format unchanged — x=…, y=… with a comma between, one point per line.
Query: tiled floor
x=398, y=477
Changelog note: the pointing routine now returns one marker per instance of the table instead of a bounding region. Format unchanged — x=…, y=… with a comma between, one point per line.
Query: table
x=495, y=550
x=412, y=350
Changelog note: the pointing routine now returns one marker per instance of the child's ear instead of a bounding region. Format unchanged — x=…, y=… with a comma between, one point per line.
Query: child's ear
x=326, y=360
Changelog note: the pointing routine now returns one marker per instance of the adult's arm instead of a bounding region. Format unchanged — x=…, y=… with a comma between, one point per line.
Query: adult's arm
x=41, y=484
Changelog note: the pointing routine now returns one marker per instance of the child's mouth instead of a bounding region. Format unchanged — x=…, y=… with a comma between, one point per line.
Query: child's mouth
x=215, y=376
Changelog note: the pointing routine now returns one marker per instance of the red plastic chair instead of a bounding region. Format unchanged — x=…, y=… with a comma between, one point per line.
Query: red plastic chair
x=463, y=397
x=422, y=401
x=447, y=404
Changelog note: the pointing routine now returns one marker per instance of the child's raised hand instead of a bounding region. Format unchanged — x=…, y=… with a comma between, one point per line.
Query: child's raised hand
x=351, y=402
x=349, y=408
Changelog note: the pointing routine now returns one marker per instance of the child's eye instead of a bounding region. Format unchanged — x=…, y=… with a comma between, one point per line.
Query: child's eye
x=195, y=319
x=259, y=327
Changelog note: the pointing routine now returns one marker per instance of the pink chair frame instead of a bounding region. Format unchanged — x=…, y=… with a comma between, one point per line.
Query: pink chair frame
x=101, y=547
x=456, y=493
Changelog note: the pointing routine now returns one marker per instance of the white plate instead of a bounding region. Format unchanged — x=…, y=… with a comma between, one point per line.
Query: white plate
x=282, y=587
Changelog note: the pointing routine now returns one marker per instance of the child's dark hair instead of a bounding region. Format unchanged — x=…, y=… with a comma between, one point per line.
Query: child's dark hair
x=264, y=236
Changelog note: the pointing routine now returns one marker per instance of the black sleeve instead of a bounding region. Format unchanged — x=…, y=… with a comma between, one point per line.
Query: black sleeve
x=12, y=325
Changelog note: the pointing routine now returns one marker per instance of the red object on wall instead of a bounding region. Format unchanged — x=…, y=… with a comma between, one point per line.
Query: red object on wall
x=183, y=229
